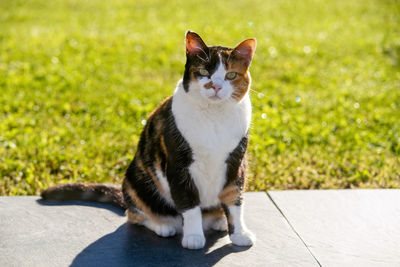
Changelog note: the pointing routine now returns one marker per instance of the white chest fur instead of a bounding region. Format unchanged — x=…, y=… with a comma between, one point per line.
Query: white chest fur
x=212, y=131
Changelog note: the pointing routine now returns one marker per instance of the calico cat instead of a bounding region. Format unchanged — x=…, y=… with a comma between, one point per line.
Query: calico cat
x=189, y=170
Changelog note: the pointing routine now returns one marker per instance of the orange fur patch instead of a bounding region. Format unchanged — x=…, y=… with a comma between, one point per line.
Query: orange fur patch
x=214, y=213
x=229, y=195
x=241, y=83
x=163, y=147
x=135, y=218
x=208, y=85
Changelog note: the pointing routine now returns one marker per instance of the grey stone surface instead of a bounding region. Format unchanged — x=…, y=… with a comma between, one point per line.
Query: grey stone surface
x=35, y=233
x=346, y=227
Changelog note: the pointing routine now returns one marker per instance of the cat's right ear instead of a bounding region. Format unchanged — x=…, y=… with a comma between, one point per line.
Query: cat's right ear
x=195, y=45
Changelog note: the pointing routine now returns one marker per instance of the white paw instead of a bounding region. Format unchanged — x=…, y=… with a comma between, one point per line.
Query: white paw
x=220, y=225
x=193, y=241
x=165, y=230
x=244, y=239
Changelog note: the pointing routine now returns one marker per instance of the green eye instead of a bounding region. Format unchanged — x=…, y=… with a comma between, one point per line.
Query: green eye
x=231, y=75
x=203, y=72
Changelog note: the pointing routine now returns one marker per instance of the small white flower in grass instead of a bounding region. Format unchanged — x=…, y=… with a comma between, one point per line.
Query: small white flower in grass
x=321, y=35
x=73, y=43
x=35, y=32
x=138, y=48
x=307, y=49
x=356, y=105
x=297, y=99
x=272, y=51
x=82, y=142
x=54, y=60
x=264, y=116
x=144, y=122
x=251, y=23
x=10, y=145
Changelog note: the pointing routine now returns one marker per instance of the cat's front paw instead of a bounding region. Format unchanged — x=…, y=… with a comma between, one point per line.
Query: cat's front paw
x=193, y=241
x=244, y=239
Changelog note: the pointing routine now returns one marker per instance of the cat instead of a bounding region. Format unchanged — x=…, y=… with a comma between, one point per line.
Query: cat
x=189, y=171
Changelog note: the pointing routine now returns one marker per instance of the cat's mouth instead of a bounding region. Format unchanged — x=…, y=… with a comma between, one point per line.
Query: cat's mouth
x=215, y=98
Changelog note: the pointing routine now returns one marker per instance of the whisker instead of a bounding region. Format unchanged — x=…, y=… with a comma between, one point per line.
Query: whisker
x=257, y=92
x=203, y=52
x=201, y=58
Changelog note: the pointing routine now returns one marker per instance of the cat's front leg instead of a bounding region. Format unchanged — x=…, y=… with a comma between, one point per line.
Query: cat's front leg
x=186, y=199
x=193, y=235
x=238, y=232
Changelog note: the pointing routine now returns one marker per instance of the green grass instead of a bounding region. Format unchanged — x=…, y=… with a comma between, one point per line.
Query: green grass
x=77, y=78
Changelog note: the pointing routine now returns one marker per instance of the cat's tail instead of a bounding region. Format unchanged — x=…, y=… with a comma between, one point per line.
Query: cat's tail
x=109, y=194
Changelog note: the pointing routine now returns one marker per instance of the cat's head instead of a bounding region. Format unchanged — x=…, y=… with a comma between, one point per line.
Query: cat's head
x=214, y=73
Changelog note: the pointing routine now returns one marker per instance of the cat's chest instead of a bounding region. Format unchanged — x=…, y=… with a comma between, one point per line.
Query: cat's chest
x=208, y=134
x=215, y=131
x=212, y=135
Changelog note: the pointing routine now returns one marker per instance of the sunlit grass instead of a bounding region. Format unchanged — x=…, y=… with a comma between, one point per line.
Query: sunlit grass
x=77, y=78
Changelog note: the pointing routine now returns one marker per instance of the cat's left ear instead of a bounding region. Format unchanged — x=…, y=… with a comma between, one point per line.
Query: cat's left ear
x=245, y=50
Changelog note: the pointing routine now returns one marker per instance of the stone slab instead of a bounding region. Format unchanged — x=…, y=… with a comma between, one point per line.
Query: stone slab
x=346, y=227
x=35, y=233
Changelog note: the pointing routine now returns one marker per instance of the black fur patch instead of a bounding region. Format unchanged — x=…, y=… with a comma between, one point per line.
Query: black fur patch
x=236, y=167
x=231, y=227
x=129, y=202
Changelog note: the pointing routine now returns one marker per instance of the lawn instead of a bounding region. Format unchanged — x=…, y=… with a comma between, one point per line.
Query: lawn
x=78, y=78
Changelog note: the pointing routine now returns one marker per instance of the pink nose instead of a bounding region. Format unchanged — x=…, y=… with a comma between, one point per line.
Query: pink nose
x=216, y=87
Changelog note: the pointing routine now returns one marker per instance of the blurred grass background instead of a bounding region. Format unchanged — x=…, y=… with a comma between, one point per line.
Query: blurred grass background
x=78, y=78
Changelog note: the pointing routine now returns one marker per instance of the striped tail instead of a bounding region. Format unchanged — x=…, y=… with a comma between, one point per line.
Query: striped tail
x=87, y=192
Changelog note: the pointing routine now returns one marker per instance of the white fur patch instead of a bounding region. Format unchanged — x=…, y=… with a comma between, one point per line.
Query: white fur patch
x=213, y=131
x=241, y=235
x=237, y=216
x=165, y=186
x=193, y=236
x=220, y=224
x=163, y=230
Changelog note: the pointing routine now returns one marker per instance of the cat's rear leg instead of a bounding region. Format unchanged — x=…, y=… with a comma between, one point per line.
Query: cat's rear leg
x=164, y=226
x=140, y=213
x=163, y=230
x=215, y=219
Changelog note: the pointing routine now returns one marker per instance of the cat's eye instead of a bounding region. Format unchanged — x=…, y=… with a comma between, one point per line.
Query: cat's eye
x=231, y=75
x=203, y=72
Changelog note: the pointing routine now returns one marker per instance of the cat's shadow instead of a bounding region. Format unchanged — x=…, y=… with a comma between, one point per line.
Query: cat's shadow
x=132, y=245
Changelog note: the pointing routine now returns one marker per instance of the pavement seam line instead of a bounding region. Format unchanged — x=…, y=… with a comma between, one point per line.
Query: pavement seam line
x=292, y=227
